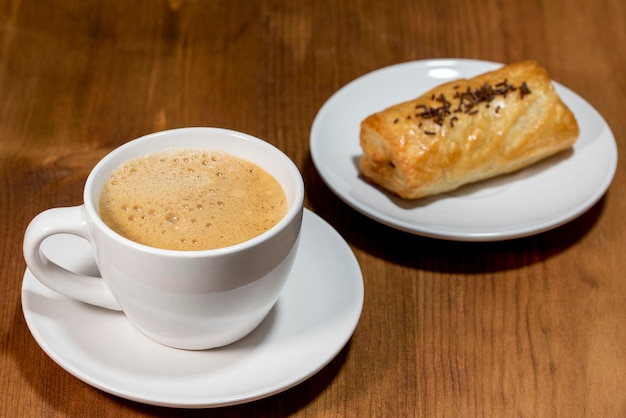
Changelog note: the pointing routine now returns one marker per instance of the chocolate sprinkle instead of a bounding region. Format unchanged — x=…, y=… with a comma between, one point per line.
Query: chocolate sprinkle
x=524, y=90
x=465, y=102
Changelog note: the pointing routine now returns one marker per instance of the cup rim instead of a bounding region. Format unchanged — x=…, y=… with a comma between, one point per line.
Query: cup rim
x=294, y=210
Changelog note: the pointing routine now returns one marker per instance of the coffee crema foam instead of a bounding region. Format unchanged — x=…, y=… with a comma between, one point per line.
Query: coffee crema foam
x=191, y=199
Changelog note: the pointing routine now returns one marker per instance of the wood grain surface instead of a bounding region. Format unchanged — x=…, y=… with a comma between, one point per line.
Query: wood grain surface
x=532, y=327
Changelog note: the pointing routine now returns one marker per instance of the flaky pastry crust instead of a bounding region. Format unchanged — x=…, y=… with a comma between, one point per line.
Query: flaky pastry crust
x=465, y=131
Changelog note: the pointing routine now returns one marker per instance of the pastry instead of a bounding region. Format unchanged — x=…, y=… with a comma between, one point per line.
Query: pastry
x=465, y=131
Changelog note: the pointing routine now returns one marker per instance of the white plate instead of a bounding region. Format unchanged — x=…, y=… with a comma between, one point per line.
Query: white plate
x=312, y=321
x=533, y=200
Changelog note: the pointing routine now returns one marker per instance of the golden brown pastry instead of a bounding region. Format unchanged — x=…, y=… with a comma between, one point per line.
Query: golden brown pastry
x=465, y=131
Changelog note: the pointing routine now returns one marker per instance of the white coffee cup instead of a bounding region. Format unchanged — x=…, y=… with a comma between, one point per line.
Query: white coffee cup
x=183, y=299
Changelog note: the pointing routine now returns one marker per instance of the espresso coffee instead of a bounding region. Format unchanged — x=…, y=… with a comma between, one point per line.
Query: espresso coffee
x=191, y=199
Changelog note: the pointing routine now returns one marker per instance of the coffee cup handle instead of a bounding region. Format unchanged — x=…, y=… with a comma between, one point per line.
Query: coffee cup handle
x=66, y=220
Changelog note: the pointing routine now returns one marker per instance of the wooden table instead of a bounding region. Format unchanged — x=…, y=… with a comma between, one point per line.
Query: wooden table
x=530, y=327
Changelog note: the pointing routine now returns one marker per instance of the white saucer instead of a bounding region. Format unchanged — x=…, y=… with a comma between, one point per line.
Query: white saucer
x=533, y=200
x=311, y=322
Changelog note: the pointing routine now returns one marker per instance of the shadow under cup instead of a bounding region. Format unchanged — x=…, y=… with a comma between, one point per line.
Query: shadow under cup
x=198, y=299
